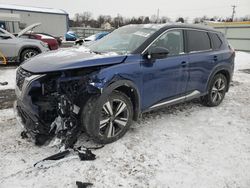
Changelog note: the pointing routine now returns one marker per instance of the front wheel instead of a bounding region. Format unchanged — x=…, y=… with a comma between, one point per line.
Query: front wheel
x=107, y=120
x=216, y=92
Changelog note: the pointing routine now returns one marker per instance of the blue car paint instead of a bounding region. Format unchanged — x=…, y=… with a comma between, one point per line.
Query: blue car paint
x=71, y=36
x=68, y=59
x=101, y=35
x=163, y=79
x=156, y=81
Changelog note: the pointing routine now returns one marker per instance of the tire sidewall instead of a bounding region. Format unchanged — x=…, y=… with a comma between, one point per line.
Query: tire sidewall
x=216, y=77
x=96, y=114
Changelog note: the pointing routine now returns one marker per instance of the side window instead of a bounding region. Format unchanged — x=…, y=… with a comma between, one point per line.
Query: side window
x=198, y=41
x=172, y=40
x=216, y=41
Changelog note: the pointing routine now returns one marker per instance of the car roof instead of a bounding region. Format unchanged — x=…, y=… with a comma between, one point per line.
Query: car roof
x=175, y=25
x=191, y=26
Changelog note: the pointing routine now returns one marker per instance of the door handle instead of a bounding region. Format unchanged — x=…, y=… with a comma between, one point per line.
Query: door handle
x=184, y=63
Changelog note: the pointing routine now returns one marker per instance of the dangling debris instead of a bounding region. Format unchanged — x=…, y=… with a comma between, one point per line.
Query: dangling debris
x=3, y=83
x=24, y=135
x=83, y=184
x=86, y=155
x=57, y=156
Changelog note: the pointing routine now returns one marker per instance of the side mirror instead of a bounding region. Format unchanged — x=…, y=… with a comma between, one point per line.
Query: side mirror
x=157, y=53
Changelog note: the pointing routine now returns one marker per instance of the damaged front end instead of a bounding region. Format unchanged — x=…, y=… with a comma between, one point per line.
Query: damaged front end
x=49, y=105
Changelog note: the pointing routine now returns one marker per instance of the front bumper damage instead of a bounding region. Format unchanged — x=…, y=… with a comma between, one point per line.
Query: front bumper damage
x=49, y=106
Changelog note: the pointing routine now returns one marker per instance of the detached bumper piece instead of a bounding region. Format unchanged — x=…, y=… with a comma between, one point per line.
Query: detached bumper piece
x=32, y=127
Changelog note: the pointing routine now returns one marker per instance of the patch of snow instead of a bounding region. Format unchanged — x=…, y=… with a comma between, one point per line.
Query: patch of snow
x=8, y=75
x=6, y=115
x=242, y=60
x=186, y=145
x=33, y=9
x=45, y=36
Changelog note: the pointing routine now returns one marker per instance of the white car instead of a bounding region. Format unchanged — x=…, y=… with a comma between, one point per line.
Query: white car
x=17, y=49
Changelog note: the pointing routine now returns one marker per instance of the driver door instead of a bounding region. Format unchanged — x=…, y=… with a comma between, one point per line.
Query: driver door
x=165, y=78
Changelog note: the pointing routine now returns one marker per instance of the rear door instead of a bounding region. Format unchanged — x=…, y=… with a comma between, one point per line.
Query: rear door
x=202, y=59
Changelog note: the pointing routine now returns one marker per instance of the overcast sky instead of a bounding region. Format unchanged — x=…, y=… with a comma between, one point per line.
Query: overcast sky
x=130, y=8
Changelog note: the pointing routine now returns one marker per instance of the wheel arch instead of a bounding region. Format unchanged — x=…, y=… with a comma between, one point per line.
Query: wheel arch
x=221, y=70
x=129, y=89
x=26, y=47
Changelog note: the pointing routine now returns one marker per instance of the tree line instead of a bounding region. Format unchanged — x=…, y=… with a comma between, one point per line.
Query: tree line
x=86, y=19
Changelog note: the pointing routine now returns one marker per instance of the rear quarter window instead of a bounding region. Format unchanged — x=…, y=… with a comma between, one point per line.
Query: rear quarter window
x=216, y=41
x=198, y=41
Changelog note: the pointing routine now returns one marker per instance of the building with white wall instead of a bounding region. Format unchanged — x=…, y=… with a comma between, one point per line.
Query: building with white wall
x=237, y=33
x=16, y=17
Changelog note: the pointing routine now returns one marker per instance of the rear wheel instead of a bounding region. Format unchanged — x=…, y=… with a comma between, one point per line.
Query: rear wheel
x=27, y=54
x=216, y=92
x=107, y=120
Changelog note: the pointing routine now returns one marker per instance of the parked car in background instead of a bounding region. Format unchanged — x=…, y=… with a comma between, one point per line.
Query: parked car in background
x=71, y=36
x=16, y=49
x=91, y=39
x=49, y=39
x=96, y=37
x=134, y=69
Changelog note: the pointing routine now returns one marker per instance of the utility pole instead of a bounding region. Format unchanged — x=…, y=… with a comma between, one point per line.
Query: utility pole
x=234, y=11
x=118, y=20
x=158, y=14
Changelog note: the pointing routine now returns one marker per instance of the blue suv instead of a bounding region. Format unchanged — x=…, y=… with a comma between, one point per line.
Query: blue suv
x=103, y=88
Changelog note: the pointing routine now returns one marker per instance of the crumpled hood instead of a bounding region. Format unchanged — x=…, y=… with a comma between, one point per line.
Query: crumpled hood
x=69, y=58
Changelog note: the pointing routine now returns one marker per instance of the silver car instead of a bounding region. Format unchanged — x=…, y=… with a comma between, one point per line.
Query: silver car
x=16, y=49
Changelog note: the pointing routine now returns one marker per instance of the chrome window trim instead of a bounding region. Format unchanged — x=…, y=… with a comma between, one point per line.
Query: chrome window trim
x=181, y=28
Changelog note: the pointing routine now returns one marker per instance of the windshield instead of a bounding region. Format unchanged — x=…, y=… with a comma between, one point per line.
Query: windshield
x=123, y=40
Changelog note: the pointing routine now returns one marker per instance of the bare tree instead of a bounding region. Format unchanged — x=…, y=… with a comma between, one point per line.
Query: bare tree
x=165, y=19
x=146, y=20
x=180, y=19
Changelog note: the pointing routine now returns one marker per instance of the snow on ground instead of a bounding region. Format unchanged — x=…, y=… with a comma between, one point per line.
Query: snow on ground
x=187, y=145
x=8, y=74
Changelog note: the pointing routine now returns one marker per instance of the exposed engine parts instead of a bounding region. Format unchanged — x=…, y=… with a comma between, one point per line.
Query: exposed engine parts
x=56, y=99
x=66, y=125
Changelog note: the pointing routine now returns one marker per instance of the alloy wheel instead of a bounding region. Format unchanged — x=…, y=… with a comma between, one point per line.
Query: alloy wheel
x=29, y=55
x=114, y=118
x=218, y=90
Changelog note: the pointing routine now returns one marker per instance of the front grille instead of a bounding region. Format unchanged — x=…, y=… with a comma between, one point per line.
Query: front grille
x=20, y=77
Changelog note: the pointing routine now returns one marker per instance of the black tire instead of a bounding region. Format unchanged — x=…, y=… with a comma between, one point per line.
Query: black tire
x=100, y=125
x=216, y=91
x=27, y=54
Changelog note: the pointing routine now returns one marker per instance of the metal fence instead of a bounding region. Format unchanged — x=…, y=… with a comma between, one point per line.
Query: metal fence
x=237, y=33
x=84, y=32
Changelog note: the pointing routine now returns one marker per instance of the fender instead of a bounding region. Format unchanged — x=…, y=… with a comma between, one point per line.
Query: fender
x=215, y=71
x=106, y=90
